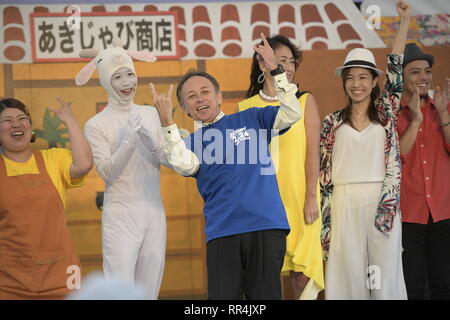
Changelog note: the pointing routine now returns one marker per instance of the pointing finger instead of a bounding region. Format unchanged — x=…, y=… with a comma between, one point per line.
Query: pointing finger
x=263, y=37
x=61, y=101
x=152, y=90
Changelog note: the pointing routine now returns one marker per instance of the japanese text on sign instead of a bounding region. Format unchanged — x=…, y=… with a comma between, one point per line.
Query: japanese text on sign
x=55, y=39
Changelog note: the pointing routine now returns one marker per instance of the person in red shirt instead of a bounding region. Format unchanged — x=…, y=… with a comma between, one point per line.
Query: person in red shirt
x=424, y=131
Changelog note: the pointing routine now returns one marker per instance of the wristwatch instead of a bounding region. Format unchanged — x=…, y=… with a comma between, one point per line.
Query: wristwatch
x=277, y=71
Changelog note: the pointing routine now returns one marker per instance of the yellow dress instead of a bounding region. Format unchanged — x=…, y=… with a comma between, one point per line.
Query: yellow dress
x=303, y=247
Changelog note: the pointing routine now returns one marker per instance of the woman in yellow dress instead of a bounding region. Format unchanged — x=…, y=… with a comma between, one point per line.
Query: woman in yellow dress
x=296, y=158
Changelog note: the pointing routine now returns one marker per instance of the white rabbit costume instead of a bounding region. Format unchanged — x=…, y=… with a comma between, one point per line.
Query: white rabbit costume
x=127, y=145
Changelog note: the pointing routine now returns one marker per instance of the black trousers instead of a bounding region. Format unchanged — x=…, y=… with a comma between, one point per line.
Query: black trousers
x=426, y=259
x=246, y=265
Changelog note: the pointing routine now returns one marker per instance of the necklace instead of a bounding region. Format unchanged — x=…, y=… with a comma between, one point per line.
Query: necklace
x=266, y=97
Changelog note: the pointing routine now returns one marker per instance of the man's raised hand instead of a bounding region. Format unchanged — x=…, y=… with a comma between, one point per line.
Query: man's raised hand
x=163, y=103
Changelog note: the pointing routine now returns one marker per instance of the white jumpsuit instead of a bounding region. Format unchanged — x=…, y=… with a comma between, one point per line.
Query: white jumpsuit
x=363, y=263
x=133, y=221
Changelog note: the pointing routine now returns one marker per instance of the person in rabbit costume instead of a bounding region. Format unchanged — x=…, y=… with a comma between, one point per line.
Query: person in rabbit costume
x=127, y=147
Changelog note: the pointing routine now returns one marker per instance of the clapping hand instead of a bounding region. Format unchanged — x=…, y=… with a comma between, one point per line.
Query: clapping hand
x=134, y=124
x=442, y=97
x=414, y=107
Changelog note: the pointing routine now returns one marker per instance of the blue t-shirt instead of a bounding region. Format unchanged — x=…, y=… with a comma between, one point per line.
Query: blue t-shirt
x=236, y=177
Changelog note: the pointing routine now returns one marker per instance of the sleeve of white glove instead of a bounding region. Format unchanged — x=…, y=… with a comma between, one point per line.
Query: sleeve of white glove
x=183, y=160
x=289, y=111
x=152, y=137
x=155, y=144
x=109, y=166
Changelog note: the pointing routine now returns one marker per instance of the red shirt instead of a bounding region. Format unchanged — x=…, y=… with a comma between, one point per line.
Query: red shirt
x=425, y=182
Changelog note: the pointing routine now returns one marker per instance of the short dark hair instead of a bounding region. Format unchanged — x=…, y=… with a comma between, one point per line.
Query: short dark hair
x=194, y=73
x=16, y=104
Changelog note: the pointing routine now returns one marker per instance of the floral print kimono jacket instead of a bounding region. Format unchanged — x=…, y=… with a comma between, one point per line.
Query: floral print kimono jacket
x=388, y=106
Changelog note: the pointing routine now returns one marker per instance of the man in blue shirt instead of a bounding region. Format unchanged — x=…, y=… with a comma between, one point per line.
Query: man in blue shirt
x=245, y=221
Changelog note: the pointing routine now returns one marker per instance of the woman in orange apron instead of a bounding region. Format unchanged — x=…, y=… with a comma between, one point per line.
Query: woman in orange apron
x=37, y=256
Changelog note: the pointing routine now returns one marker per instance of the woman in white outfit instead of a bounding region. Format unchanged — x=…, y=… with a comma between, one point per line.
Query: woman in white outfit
x=127, y=146
x=360, y=179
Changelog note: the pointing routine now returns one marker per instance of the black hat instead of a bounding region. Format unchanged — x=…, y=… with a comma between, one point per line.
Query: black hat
x=413, y=53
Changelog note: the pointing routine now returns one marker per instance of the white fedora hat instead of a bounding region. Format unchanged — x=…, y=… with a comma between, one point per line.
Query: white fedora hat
x=359, y=57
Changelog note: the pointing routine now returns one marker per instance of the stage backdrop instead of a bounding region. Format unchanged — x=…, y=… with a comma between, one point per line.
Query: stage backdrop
x=216, y=37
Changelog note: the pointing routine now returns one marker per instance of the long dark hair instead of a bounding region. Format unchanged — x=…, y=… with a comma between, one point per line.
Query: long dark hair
x=275, y=42
x=374, y=96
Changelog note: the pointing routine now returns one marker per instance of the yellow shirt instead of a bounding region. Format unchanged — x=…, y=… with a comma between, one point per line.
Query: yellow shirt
x=57, y=161
x=288, y=151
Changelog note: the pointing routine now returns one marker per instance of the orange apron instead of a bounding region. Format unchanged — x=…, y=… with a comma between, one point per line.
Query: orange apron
x=35, y=245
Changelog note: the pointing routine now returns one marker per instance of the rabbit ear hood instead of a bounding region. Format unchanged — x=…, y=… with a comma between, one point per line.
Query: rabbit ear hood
x=109, y=61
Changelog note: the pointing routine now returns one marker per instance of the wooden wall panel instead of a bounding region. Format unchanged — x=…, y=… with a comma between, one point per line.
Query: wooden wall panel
x=185, y=234
x=87, y=236
x=2, y=81
x=81, y=202
x=38, y=98
x=195, y=200
x=229, y=105
x=164, y=68
x=174, y=192
x=232, y=75
x=48, y=71
x=184, y=277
